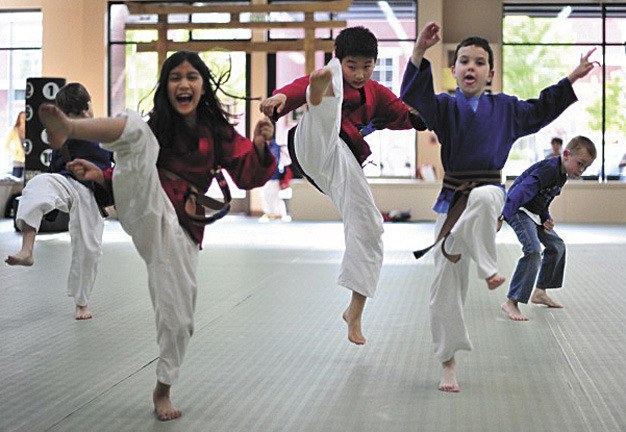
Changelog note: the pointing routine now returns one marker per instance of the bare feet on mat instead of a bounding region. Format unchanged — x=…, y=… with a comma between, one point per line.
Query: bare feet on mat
x=352, y=316
x=354, y=328
x=163, y=404
x=540, y=297
x=21, y=258
x=319, y=85
x=83, y=313
x=448, y=381
x=495, y=281
x=510, y=308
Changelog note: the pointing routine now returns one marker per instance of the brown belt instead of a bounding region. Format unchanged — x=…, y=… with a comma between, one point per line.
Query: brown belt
x=462, y=183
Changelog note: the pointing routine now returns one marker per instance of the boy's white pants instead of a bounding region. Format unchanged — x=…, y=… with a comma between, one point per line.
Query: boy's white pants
x=474, y=237
x=147, y=215
x=47, y=192
x=326, y=158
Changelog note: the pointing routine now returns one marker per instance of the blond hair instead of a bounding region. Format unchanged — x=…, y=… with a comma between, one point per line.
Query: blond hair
x=580, y=142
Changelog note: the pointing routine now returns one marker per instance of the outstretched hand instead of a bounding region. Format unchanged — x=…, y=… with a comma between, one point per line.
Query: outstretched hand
x=86, y=170
x=56, y=123
x=584, y=67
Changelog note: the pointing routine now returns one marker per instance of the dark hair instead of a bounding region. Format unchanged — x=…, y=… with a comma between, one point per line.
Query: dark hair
x=356, y=41
x=557, y=140
x=167, y=124
x=475, y=41
x=73, y=99
x=582, y=142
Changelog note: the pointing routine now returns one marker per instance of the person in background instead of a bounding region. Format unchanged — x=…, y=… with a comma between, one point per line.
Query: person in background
x=557, y=147
x=15, y=145
x=83, y=200
x=274, y=206
x=526, y=210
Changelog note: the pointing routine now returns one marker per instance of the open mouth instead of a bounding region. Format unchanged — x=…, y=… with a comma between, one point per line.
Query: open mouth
x=183, y=98
x=469, y=79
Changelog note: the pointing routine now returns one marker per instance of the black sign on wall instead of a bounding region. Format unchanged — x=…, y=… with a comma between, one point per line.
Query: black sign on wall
x=38, y=91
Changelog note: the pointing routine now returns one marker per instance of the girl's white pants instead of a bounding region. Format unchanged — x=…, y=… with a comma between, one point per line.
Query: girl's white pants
x=147, y=215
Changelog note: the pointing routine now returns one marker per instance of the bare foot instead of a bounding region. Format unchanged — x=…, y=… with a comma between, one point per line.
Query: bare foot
x=22, y=258
x=512, y=310
x=163, y=404
x=83, y=313
x=319, y=85
x=354, y=328
x=540, y=297
x=495, y=281
x=448, y=381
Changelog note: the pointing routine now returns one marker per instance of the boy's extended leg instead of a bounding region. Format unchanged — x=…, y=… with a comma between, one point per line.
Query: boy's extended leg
x=330, y=163
x=478, y=225
x=41, y=195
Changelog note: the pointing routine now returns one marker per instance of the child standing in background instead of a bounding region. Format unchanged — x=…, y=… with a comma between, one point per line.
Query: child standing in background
x=527, y=211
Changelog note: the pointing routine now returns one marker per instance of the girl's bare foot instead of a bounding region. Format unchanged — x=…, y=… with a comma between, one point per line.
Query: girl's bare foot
x=540, y=297
x=163, y=404
x=83, y=313
x=22, y=258
x=319, y=85
x=510, y=308
x=495, y=281
x=448, y=381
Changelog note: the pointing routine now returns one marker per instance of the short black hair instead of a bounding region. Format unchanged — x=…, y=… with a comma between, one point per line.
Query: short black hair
x=73, y=99
x=356, y=41
x=557, y=140
x=475, y=41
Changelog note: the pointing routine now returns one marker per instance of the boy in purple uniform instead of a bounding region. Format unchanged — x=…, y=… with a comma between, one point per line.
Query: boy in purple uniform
x=527, y=211
x=476, y=132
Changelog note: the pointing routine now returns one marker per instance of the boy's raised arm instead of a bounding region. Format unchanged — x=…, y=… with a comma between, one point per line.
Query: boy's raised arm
x=428, y=37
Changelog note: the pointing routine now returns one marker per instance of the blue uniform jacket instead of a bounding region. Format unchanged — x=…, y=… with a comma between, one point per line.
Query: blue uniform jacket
x=535, y=188
x=479, y=140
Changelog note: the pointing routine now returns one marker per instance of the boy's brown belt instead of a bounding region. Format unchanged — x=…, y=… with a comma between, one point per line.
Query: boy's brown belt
x=462, y=182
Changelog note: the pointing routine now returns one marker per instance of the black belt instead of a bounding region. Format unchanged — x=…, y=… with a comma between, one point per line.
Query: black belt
x=462, y=183
x=295, y=165
x=195, y=200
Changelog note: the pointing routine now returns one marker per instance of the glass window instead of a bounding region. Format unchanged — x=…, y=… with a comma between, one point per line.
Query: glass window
x=542, y=44
x=20, y=58
x=393, y=23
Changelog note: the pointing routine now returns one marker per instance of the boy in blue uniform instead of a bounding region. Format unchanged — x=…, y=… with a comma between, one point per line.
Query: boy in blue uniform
x=527, y=211
x=476, y=132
